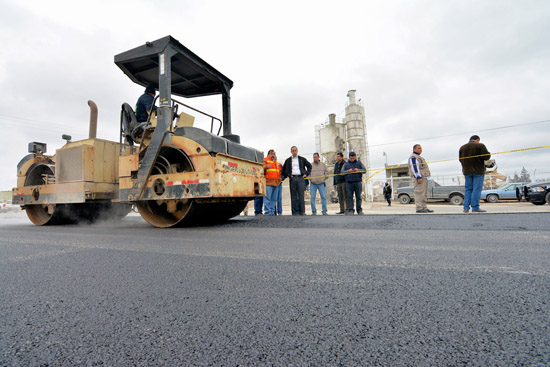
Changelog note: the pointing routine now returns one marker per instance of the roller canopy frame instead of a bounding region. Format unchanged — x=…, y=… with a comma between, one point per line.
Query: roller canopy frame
x=189, y=76
x=171, y=68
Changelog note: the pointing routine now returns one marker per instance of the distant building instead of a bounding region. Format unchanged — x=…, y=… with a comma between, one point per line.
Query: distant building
x=346, y=135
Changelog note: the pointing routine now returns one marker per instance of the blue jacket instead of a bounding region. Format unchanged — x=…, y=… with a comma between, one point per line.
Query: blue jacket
x=143, y=104
x=356, y=176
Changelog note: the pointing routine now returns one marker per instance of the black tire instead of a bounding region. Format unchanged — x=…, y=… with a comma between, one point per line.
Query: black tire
x=404, y=199
x=457, y=200
x=547, y=198
x=538, y=202
x=492, y=198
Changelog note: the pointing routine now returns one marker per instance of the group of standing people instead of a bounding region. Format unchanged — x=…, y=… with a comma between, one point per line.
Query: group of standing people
x=301, y=174
x=348, y=180
x=472, y=156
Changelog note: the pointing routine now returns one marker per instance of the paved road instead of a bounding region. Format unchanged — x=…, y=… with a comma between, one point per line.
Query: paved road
x=386, y=290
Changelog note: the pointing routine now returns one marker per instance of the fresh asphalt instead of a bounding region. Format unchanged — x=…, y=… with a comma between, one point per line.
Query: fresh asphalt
x=373, y=290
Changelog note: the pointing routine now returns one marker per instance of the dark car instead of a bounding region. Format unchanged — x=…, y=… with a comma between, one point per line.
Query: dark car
x=537, y=193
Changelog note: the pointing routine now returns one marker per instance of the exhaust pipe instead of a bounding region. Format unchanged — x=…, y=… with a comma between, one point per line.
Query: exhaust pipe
x=93, y=119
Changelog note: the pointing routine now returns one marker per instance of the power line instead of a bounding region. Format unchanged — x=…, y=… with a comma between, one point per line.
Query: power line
x=462, y=133
x=38, y=125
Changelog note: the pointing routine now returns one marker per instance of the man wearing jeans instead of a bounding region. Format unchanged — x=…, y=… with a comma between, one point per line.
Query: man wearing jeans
x=319, y=174
x=472, y=157
x=272, y=182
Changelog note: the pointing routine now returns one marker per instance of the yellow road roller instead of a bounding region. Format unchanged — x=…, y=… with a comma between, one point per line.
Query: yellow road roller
x=173, y=173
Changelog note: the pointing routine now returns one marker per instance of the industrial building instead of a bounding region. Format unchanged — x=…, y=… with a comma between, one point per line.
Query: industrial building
x=345, y=135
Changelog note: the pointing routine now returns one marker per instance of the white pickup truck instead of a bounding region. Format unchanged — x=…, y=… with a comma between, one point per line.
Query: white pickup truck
x=452, y=194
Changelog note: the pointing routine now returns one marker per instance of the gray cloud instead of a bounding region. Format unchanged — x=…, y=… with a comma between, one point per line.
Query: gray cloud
x=422, y=69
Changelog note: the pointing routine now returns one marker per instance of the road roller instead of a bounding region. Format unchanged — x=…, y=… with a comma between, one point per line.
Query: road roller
x=172, y=172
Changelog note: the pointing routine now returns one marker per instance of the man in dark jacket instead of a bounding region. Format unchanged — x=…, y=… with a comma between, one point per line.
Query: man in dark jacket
x=472, y=157
x=144, y=104
x=297, y=168
x=387, y=191
x=339, y=182
x=354, y=170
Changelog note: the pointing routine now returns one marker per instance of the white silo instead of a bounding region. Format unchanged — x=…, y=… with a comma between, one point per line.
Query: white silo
x=355, y=127
x=332, y=139
x=356, y=131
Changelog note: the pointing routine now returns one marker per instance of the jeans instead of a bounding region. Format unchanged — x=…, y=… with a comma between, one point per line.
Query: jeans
x=313, y=193
x=472, y=192
x=297, y=188
x=351, y=188
x=270, y=199
x=258, y=203
x=279, y=207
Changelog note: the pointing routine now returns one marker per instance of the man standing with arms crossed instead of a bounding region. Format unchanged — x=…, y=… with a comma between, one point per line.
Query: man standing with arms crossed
x=297, y=168
x=473, y=169
x=419, y=171
x=319, y=174
x=339, y=182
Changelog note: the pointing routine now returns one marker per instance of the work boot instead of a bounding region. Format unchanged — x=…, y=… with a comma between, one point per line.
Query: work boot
x=479, y=211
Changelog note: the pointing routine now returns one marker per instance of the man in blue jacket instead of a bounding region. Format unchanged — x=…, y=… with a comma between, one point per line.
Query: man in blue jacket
x=144, y=104
x=354, y=170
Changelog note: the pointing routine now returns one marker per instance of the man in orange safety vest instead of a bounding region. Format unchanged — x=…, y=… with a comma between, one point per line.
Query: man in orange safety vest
x=272, y=172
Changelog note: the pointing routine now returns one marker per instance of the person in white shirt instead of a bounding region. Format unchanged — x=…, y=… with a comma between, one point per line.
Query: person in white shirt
x=297, y=168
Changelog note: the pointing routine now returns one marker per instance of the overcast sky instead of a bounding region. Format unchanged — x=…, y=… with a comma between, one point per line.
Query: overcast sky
x=423, y=69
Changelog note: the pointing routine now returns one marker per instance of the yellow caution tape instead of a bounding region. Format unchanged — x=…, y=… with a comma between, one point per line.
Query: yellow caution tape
x=378, y=170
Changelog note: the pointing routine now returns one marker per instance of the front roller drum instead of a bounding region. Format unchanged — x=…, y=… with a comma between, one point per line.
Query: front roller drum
x=42, y=215
x=188, y=212
x=51, y=214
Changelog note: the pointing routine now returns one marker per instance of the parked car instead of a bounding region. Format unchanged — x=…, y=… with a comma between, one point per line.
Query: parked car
x=504, y=192
x=537, y=193
x=453, y=194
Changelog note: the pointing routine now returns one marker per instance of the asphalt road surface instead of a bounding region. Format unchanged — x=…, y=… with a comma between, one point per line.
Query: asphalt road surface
x=385, y=290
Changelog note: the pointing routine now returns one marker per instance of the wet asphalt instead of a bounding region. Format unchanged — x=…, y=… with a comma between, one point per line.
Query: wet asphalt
x=385, y=290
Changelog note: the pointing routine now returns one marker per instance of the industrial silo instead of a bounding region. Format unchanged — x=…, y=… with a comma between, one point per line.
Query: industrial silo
x=332, y=139
x=356, y=134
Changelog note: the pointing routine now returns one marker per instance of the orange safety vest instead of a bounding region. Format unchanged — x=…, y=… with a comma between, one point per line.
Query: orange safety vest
x=274, y=172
